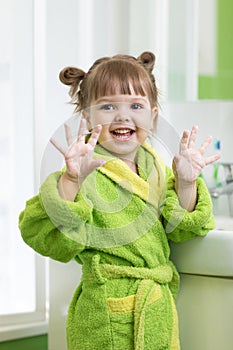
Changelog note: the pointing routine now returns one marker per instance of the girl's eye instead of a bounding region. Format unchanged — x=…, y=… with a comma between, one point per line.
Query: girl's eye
x=107, y=107
x=136, y=106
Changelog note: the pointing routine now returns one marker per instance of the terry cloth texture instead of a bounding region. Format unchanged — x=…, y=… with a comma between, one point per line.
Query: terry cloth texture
x=118, y=228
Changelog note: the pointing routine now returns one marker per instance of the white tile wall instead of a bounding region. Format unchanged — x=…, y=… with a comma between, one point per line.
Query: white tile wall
x=213, y=118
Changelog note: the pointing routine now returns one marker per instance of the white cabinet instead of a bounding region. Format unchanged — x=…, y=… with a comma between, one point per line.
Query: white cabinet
x=205, y=308
x=205, y=301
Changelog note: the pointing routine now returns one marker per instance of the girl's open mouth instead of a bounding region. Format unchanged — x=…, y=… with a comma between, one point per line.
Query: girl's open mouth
x=123, y=134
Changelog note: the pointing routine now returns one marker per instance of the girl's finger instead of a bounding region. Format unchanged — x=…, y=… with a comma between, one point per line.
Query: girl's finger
x=183, y=141
x=95, y=135
x=82, y=132
x=212, y=159
x=205, y=145
x=58, y=147
x=69, y=138
x=193, y=137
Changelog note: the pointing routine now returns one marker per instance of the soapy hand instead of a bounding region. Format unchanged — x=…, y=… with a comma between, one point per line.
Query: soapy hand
x=79, y=156
x=189, y=163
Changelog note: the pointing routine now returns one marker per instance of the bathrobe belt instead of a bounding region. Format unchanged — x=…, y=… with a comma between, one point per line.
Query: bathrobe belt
x=147, y=289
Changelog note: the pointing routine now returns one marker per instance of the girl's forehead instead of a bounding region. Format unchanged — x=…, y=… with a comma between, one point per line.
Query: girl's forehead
x=127, y=98
x=113, y=88
x=119, y=84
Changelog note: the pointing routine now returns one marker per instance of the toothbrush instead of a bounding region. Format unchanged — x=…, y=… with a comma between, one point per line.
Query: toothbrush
x=217, y=146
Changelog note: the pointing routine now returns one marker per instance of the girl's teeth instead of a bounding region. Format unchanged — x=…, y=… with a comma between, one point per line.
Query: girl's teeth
x=125, y=131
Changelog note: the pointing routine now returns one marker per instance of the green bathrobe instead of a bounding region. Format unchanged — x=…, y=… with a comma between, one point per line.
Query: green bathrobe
x=118, y=228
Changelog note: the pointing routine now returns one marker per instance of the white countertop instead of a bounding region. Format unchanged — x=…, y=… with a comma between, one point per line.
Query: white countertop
x=210, y=255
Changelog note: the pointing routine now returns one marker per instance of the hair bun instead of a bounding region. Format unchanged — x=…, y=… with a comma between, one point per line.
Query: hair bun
x=147, y=59
x=71, y=75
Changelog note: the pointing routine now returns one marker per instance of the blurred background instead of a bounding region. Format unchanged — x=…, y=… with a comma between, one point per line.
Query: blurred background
x=193, y=44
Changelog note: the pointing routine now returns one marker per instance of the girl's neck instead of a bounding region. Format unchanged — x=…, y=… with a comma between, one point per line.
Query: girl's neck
x=131, y=164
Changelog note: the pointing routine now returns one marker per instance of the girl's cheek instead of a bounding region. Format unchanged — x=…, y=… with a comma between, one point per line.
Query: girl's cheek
x=100, y=120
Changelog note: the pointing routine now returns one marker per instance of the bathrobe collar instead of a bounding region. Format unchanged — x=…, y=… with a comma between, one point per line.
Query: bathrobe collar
x=148, y=185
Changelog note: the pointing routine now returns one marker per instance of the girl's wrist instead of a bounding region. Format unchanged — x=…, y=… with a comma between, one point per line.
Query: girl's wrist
x=187, y=193
x=184, y=184
x=68, y=186
x=69, y=177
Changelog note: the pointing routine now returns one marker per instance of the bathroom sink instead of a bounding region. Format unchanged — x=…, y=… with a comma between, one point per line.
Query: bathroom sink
x=211, y=255
x=224, y=223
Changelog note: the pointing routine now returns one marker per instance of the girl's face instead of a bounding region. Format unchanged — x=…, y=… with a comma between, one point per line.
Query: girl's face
x=126, y=122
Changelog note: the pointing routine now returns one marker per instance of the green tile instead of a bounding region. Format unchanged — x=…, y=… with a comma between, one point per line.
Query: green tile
x=32, y=343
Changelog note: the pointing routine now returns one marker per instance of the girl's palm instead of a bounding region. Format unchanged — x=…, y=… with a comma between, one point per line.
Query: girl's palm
x=79, y=157
x=189, y=163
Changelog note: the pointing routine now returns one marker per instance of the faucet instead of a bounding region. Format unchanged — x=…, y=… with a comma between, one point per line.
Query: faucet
x=225, y=187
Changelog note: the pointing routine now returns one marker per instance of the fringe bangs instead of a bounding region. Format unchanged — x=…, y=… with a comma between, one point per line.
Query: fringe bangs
x=117, y=77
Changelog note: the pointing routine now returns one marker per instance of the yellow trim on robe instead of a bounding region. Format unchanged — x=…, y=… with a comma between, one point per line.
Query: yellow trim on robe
x=127, y=304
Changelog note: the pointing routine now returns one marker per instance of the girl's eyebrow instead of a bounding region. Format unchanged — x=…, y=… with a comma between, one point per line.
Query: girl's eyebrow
x=127, y=100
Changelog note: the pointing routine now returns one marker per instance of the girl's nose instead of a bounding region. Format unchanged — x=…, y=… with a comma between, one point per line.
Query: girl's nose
x=122, y=118
x=123, y=115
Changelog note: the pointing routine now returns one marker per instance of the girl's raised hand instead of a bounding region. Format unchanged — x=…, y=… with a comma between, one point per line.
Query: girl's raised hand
x=79, y=157
x=189, y=163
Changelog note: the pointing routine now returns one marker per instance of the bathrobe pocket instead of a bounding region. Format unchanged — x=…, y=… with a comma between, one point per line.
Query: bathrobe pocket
x=124, y=319
x=122, y=322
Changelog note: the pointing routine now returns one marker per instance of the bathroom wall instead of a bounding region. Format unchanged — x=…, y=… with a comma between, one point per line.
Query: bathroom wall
x=219, y=85
x=214, y=118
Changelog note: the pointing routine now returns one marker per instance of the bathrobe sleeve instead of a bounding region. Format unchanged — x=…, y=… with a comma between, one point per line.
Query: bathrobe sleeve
x=52, y=226
x=181, y=225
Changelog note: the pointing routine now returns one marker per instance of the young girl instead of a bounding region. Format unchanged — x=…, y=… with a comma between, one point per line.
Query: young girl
x=115, y=206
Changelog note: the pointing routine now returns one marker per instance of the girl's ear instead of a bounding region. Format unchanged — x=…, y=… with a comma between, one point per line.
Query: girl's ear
x=86, y=116
x=154, y=118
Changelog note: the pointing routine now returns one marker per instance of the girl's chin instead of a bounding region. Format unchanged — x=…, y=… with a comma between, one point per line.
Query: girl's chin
x=120, y=142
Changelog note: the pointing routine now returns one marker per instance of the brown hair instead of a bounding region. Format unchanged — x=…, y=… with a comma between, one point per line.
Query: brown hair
x=110, y=76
